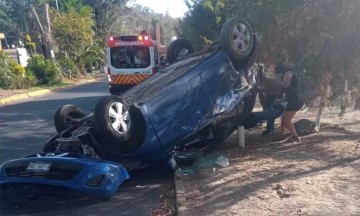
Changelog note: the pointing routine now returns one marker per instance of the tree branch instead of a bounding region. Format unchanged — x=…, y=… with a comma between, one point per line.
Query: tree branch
x=37, y=18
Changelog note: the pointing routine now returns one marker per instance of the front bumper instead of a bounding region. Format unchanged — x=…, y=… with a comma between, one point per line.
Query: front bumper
x=51, y=173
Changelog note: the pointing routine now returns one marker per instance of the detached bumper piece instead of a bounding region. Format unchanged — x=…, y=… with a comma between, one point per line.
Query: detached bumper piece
x=52, y=173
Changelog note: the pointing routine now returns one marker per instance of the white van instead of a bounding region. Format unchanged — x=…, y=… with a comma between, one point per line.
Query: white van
x=130, y=60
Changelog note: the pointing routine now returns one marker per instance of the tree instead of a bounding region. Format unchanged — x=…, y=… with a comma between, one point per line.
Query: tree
x=320, y=45
x=47, y=41
x=15, y=18
x=317, y=38
x=92, y=56
x=73, y=32
x=76, y=6
x=200, y=24
x=108, y=15
x=206, y=17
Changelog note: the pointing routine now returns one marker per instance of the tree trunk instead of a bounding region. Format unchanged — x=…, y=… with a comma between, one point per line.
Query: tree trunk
x=46, y=38
x=37, y=19
x=47, y=35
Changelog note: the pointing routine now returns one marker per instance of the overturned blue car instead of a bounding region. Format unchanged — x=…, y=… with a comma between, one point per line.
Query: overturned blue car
x=192, y=104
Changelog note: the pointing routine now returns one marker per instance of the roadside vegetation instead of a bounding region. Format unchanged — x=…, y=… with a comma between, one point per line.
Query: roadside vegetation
x=67, y=41
x=317, y=38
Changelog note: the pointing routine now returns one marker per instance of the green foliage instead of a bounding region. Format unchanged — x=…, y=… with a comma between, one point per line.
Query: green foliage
x=318, y=38
x=13, y=75
x=69, y=68
x=321, y=40
x=205, y=18
x=200, y=24
x=44, y=70
x=73, y=33
x=29, y=80
x=76, y=6
x=93, y=56
x=15, y=18
x=30, y=45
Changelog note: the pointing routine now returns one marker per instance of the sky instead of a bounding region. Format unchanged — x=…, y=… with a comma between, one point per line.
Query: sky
x=176, y=8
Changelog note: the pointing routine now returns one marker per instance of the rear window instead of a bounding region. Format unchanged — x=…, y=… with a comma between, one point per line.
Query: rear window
x=130, y=57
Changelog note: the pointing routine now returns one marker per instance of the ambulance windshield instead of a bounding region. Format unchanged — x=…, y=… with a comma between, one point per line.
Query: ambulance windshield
x=130, y=57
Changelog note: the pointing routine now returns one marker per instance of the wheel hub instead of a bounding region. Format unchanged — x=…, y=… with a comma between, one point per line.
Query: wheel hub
x=241, y=37
x=119, y=118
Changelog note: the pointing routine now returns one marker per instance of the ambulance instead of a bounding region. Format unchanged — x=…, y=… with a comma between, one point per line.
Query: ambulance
x=130, y=60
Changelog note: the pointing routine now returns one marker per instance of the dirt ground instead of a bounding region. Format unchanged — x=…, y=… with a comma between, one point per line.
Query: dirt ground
x=319, y=176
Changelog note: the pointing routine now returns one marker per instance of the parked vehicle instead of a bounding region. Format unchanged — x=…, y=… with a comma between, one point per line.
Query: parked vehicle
x=195, y=102
x=130, y=60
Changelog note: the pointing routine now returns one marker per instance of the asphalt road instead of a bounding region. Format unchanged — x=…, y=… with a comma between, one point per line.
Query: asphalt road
x=24, y=128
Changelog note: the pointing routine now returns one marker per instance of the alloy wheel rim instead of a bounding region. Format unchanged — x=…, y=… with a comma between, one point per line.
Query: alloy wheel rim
x=119, y=118
x=240, y=37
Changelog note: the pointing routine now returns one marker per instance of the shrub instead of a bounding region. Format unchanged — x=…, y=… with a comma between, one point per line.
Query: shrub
x=69, y=68
x=17, y=69
x=30, y=45
x=7, y=79
x=13, y=75
x=30, y=79
x=44, y=70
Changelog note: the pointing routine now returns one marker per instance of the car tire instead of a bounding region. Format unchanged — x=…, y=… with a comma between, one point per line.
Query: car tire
x=236, y=38
x=179, y=47
x=61, y=117
x=112, y=118
x=117, y=124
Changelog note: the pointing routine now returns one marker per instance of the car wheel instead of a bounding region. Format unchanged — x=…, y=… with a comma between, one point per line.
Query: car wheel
x=178, y=48
x=62, y=117
x=121, y=128
x=236, y=38
x=112, y=118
